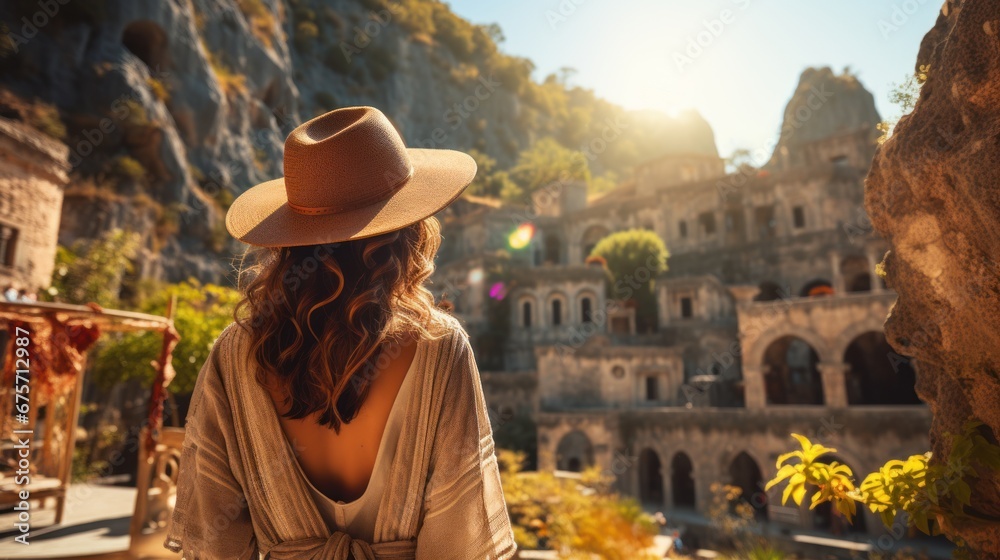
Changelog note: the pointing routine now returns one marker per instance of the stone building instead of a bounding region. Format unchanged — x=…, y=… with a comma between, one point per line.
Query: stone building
x=769, y=321
x=33, y=174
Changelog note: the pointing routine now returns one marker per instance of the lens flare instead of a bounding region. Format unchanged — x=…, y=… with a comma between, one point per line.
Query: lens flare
x=476, y=276
x=521, y=236
x=498, y=291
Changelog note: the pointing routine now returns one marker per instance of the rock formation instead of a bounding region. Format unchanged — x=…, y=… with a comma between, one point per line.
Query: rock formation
x=933, y=193
x=174, y=108
x=824, y=105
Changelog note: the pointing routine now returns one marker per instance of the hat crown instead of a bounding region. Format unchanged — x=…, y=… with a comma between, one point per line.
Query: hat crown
x=344, y=160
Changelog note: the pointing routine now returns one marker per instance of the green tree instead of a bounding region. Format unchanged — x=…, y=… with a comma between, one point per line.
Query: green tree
x=491, y=182
x=548, y=162
x=93, y=270
x=202, y=311
x=633, y=259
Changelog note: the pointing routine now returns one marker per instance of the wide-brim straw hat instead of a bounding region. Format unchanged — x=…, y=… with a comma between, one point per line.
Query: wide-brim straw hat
x=348, y=175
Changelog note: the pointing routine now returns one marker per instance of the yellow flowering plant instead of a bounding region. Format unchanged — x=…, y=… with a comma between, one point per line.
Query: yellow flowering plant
x=832, y=480
x=933, y=495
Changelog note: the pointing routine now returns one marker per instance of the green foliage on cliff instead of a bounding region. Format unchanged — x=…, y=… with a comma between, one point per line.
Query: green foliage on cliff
x=549, y=110
x=549, y=162
x=93, y=270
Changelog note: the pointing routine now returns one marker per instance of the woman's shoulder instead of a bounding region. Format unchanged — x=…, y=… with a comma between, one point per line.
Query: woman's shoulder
x=448, y=331
x=229, y=340
x=226, y=352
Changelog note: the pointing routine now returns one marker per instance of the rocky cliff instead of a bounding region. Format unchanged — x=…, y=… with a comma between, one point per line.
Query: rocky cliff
x=933, y=193
x=172, y=108
x=823, y=105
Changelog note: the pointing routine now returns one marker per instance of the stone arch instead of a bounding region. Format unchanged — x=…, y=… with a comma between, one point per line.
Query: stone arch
x=526, y=311
x=574, y=452
x=682, y=488
x=816, y=287
x=591, y=236
x=557, y=310
x=857, y=277
x=650, y=477
x=876, y=374
x=755, y=354
x=586, y=306
x=745, y=474
x=147, y=41
x=791, y=372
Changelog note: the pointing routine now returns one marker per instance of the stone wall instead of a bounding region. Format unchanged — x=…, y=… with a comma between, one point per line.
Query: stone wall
x=33, y=174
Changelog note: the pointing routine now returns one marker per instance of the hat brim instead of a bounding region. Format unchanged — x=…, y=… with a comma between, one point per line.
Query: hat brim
x=261, y=215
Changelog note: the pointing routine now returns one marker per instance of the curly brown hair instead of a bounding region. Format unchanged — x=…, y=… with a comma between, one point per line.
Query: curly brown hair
x=324, y=318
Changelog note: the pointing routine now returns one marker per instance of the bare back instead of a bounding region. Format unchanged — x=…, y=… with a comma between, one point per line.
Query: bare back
x=341, y=465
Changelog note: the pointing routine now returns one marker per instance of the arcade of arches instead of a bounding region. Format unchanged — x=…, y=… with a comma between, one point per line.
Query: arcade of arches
x=828, y=352
x=669, y=459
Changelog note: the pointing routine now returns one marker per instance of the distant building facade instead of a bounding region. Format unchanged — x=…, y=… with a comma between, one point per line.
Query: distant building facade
x=33, y=173
x=769, y=322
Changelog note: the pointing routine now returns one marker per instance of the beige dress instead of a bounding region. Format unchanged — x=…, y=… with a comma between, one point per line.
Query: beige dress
x=241, y=493
x=357, y=517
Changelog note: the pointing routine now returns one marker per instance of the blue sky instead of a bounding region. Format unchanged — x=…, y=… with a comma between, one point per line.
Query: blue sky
x=639, y=53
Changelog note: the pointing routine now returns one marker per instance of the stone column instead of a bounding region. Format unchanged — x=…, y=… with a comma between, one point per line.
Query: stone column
x=755, y=395
x=876, y=281
x=838, y=277
x=834, y=383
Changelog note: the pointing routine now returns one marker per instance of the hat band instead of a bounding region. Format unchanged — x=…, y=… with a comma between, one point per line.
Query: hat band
x=355, y=205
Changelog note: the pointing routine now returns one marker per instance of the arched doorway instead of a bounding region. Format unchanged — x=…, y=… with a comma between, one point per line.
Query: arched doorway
x=574, y=452
x=827, y=518
x=650, y=477
x=791, y=375
x=857, y=278
x=876, y=374
x=148, y=41
x=681, y=481
x=817, y=288
x=591, y=238
x=745, y=475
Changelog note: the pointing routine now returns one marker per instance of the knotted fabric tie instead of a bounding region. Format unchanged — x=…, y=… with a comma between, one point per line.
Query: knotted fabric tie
x=340, y=546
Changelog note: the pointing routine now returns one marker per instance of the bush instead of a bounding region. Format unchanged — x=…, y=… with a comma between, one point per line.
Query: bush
x=232, y=83
x=260, y=19
x=548, y=162
x=203, y=310
x=634, y=259
x=46, y=119
x=576, y=517
x=306, y=33
x=159, y=89
x=92, y=270
x=129, y=169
